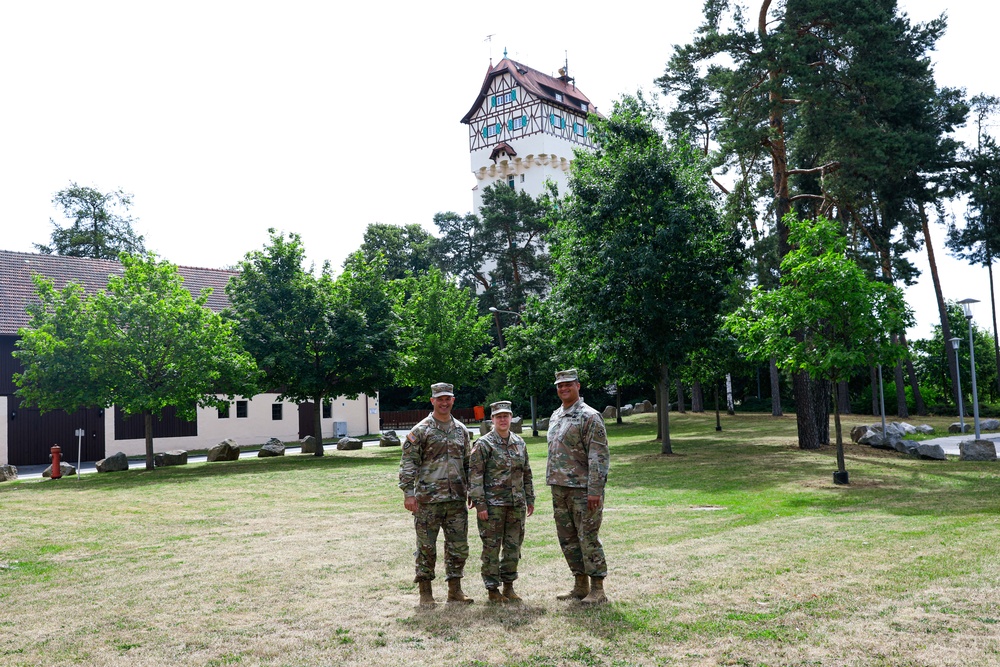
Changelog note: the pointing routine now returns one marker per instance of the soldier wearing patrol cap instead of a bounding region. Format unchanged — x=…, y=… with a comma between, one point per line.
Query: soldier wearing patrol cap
x=434, y=476
x=500, y=488
x=577, y=471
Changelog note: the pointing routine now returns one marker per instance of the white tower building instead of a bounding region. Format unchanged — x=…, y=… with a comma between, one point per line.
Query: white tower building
x=523, y=128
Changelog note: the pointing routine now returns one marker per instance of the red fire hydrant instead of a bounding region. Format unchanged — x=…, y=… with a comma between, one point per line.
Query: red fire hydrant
x=56, y=463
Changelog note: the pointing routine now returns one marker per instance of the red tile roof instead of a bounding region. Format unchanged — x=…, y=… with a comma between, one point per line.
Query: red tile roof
x=541, y=85
x=17, y=290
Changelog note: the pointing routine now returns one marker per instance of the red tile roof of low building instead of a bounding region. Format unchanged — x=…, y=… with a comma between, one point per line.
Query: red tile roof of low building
x=17, y=289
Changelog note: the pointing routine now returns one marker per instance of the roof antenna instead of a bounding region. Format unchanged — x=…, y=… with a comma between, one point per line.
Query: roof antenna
x=489, y=38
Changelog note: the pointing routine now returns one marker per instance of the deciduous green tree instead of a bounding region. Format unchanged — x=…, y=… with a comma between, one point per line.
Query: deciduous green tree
x=642, y=255
x=442, y=333
x=315, y=337
x=143, y=344
x=101, y=227
x=408, y=251
x=828, y=317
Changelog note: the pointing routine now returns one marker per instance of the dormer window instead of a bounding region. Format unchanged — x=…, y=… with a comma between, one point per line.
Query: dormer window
x=559, y=97
x=583, y=105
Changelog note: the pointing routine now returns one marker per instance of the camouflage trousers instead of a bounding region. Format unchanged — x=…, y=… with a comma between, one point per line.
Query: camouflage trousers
x=577, y=529
x=453, y=517
x=503, y=527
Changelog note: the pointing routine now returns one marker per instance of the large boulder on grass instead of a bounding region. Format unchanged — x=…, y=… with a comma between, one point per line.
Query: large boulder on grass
x=273, y=447
x=977, y=450
x=638, y=409
x=308, y=444
x=347, y=444
x=227, y=450
x=114, y=463
x=516, y=425
x=857, y=432
x=932, y=452
x=543, y=424
x=8, y=473
x=874, y=437
x=65, y=469
x=905, y=429
x=627, y=410
x=957, y=428
x=485, y=426
x=907, y=447
x=925, y=429
x=647, y=406
x=989, y=425
x=389, y=439
x=174, y=457
x=610, y=412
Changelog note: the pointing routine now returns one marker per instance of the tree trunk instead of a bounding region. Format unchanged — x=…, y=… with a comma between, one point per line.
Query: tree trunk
x=901, y=408
x=805, y=415
x=730, y=403
x=821, y=408
x=718, y=419
x=874, y=380
x=665, y=411
x=836, y=420
x=942, y=309
x=697, y=397
x=775, y=388
x=147, y=424
x=918, y=399
x=318, y=424
x=996, y=339
x=680, y=395
x=659, y=406
x=618, y=403
x=844, y=398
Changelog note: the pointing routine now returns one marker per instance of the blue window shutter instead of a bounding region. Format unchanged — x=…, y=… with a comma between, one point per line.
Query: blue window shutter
x=513, y=94
x=510, y=124
x=484, y=131
x=552, y=119
x=493, y=100
x=584, y=131
x=498, y=128
x=524, y=122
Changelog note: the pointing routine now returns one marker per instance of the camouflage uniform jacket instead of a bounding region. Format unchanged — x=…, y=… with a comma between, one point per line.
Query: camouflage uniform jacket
x=499, y=474
x=578, y=449
x=435, y=463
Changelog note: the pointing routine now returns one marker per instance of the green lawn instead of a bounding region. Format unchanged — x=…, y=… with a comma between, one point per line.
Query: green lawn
x=736, y=550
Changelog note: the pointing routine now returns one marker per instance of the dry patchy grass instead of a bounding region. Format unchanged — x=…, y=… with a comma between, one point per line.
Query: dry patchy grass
x=739, y=550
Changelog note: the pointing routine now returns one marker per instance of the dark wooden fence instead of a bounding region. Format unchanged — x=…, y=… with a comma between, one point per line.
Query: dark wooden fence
x=409, y=418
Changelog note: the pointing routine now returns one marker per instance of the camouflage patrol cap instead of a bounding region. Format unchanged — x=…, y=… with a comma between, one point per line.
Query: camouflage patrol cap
x=442, y=389
x=566, y=376
x=500, y=407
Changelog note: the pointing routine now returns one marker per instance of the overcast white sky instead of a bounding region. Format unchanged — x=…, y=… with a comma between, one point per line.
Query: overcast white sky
x=226, y=118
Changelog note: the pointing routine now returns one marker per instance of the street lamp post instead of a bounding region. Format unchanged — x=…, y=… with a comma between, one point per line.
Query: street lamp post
x=534, y=419
x=967, y=307
x=958, y=378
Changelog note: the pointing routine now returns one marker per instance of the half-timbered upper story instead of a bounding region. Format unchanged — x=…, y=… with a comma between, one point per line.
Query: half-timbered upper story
x=524, y=126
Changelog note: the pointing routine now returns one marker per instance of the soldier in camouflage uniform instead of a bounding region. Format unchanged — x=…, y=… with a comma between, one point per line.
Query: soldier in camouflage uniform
x=500, y=488
x=577, y=471
x=434, y=475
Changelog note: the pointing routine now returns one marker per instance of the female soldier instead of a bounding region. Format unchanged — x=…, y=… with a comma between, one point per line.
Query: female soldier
x=500, y=487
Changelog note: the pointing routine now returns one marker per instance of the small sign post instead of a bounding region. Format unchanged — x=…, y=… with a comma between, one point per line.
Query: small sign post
x=79, y=450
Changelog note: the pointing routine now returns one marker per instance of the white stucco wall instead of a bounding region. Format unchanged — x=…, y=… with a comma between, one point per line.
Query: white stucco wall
x=255, y=429
x=4, y=460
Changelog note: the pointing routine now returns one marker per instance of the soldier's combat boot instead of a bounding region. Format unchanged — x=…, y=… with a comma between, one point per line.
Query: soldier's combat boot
x=455, y=593
x=596, y=595
x=580, y=589
x=495, y=597
x=426, y=594
x=508, y=592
